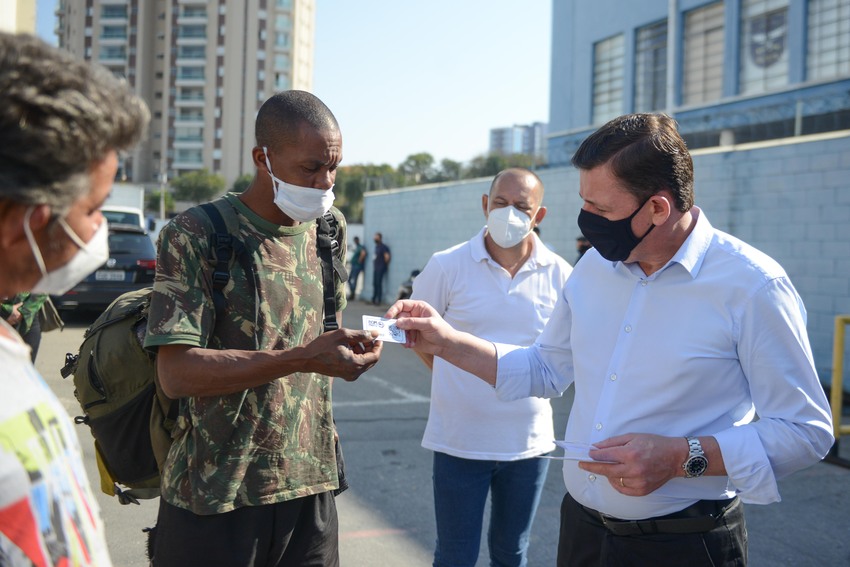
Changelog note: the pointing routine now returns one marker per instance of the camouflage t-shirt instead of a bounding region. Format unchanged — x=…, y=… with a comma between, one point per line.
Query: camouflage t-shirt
x=266, y=444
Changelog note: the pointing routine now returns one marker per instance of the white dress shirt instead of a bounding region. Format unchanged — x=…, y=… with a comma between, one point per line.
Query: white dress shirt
x=475, y=294
x=699, y=348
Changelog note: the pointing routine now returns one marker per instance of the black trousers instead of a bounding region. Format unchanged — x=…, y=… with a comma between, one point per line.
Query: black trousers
x=302, y=532
x=585, y=542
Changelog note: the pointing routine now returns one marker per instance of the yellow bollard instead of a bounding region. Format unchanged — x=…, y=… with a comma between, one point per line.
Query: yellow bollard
x=837, y=388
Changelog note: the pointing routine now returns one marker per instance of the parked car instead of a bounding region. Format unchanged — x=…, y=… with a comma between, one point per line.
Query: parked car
x=116, y=214
x=131, y=266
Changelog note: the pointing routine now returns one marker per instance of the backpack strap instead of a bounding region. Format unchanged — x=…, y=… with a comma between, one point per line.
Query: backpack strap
x=225, y=246
x=327, y=241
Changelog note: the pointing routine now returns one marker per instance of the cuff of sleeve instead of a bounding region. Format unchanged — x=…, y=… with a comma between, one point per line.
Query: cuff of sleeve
x=509, y=370
x=747, y=465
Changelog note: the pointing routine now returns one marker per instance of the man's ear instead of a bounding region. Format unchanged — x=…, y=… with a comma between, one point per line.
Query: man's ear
x=259, y=158
x=485, y=204
x=12, y=216
x=662, y=208
x=538, y=218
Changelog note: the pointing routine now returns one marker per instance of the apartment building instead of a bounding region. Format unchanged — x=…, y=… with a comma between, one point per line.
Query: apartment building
x=527, y=139
x=17, y=16
x=203, y=66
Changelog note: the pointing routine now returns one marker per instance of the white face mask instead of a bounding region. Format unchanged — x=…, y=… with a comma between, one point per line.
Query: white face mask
x=302, y=204
x=87, y=259
x=508, y=226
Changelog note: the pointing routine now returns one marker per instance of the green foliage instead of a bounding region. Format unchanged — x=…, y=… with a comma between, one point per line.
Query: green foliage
x=352, y=181
x=152, y=203
x=242, y=182
x=198, y=186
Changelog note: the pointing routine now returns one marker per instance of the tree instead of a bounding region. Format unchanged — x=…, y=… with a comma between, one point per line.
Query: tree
x=198, y=186
x=490, y=165
x=242, y=182
x=417, y=168
x=152, y=203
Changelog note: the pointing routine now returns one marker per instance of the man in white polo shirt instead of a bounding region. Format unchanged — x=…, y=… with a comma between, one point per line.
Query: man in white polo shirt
x=693, y=373
x=501, y=285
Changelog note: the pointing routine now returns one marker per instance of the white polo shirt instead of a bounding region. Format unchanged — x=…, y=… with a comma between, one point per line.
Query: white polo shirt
x=475, y=294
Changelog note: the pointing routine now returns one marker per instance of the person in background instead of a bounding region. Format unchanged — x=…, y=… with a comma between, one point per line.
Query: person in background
x=695, y=386
x=500, y=285
x=582, y=246
x=21, y=311
x=381, y=264
x=250, y=477
x=357, y=264
x=62, y=122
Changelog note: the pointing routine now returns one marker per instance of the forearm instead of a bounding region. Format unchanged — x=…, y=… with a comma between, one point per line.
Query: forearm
x=193, y=371
x=472, y=354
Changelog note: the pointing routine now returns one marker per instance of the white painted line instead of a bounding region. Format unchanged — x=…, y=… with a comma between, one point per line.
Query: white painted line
x=404, y=396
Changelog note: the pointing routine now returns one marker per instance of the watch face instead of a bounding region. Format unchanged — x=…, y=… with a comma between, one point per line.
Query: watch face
x=696, y=465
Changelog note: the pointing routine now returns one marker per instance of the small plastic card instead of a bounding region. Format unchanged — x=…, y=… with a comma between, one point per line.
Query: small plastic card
x=387, y=329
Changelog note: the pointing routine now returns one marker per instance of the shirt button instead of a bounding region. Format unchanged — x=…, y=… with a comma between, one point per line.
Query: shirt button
x=598, y=426
x=628, y=328
x=591, y=477
x=613, y=377
x=643, y=283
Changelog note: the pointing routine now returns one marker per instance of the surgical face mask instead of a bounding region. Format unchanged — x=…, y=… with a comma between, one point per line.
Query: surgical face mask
x=613, y=239
x=508, y=226
x=302, y=204
x=88, y=258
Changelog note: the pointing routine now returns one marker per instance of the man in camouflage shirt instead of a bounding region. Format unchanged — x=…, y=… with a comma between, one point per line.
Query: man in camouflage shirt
x=249, y=476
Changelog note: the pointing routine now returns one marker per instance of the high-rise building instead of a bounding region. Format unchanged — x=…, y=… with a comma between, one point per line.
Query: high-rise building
x=203, y=66
x=17, y=16
x=529, y=139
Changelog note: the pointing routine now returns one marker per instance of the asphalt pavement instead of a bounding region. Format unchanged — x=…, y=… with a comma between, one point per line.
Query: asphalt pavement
x=386, y=517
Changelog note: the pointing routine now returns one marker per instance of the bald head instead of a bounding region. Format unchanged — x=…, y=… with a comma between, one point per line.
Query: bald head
x=521, y=178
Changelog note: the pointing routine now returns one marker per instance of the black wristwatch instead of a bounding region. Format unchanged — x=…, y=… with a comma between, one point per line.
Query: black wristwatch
x=697, y=463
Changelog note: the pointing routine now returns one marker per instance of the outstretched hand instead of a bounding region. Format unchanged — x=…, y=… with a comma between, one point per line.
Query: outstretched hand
x=346, y=353
x=426, y=331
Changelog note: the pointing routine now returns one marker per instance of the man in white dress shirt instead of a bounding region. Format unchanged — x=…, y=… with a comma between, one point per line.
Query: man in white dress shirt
x=676, y=336
x=502, y=286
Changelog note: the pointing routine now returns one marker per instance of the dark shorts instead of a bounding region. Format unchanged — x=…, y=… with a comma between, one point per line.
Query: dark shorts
x=300, y=532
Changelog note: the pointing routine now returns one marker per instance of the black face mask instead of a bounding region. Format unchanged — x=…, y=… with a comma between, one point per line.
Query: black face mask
x=613, y=239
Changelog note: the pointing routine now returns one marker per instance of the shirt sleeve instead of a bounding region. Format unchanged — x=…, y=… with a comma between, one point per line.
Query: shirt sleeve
x=794, y=429
x=432, y=286
x=182, y=310
x=543, y=370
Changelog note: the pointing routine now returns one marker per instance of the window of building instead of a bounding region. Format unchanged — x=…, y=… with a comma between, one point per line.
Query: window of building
x=281, y=39
x=281, y=82
x=190, y=73
x=651, y=67
x=113, y=52
x=113, y=32
x=284, y=4
x=191, y=52
x=702, y=79
x=764, y=45
x=828, y=53
x=192, y=31
x=608, y=56
x=282, y=22
x=189, y=135
x=114, y=11
x=281, y=62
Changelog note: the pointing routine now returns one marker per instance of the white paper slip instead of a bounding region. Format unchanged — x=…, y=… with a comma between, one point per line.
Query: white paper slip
x=576, y=451
x=387, y=329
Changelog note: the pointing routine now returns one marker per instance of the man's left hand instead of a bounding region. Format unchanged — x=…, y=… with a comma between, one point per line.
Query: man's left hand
x=640, y=462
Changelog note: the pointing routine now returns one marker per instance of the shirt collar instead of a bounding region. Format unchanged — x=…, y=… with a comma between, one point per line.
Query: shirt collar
x=540, y=253
x=692, y=252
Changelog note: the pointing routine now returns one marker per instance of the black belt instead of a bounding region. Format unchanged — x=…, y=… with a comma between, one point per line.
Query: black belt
x=700, y=517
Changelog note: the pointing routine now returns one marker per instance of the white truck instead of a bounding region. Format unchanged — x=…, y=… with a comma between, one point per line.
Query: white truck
x=125, y=205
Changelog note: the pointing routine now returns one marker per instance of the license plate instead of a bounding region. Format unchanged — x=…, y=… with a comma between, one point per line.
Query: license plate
x=109, y=275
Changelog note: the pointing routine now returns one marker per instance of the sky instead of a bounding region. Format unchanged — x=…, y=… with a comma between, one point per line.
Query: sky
x=404, y=77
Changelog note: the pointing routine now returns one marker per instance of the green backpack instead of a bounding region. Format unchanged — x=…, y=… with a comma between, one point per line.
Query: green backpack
x=115, y=380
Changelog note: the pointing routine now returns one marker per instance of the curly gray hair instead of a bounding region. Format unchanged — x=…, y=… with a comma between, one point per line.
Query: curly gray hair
x=58, y=117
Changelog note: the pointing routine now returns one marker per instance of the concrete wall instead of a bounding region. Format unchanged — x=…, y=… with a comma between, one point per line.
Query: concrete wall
x=790, y=200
